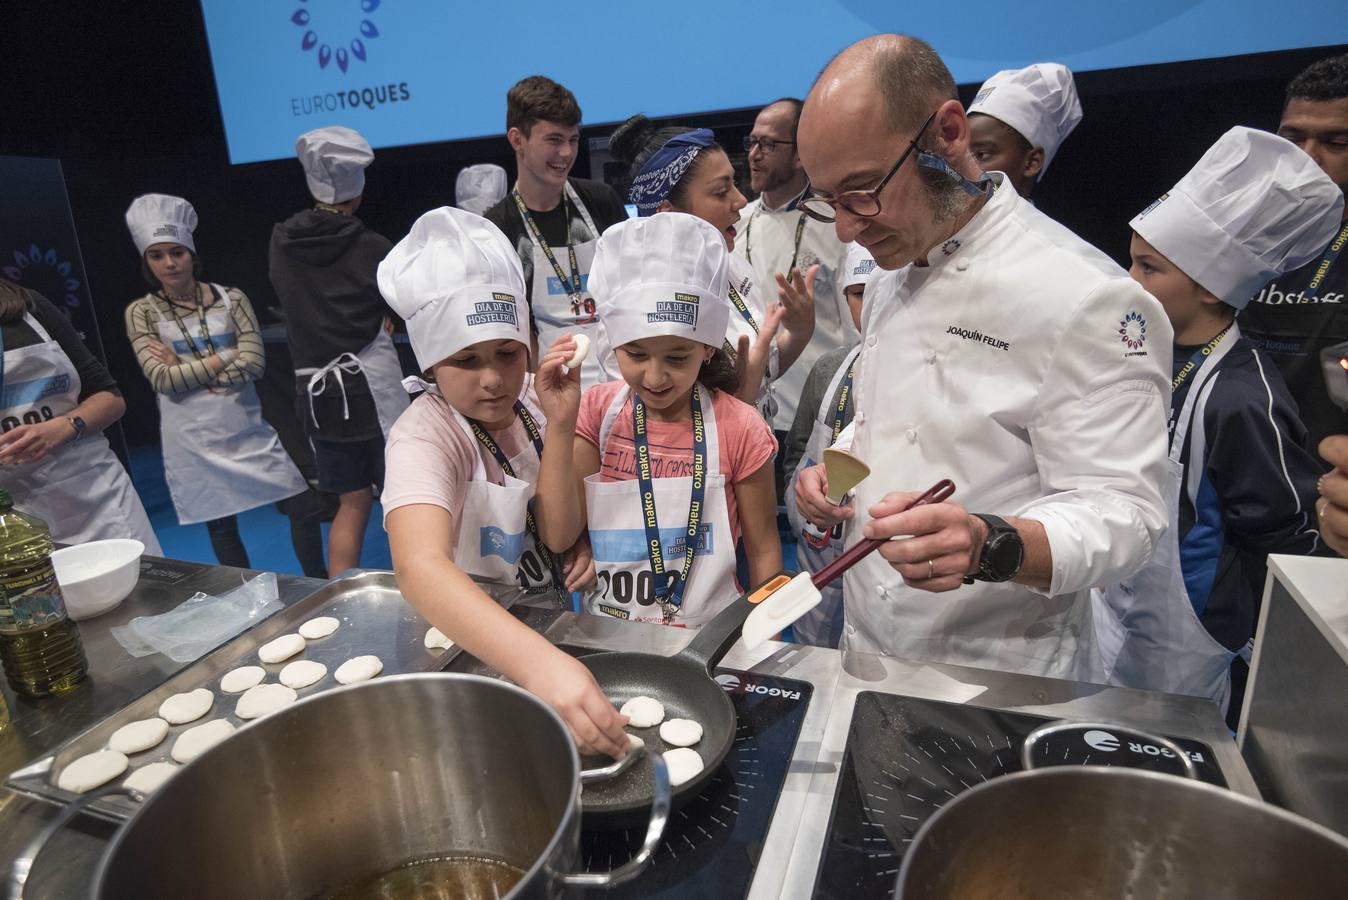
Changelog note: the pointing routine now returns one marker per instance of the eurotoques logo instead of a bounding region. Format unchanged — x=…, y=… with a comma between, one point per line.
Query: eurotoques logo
x=1133, y=330
x=338, y=38
x=46, y=272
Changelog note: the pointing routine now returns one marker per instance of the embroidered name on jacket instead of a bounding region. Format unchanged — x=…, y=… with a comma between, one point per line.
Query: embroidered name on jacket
x=980, y=337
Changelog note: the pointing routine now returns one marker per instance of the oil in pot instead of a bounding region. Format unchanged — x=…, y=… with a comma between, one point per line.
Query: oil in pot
x=456, y=877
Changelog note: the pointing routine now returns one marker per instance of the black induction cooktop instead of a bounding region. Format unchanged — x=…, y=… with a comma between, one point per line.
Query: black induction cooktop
x=713, y=842
x=905, y=758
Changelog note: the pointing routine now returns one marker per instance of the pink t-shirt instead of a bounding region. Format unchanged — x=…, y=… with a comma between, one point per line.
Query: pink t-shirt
x=430, y=458
x=746, y=441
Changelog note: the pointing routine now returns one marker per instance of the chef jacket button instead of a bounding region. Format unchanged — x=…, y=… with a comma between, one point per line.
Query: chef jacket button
x=861, y=417
x=851, y=629
x=911, y=434
x=931, y=357
x=962, y=265
x=870, y=341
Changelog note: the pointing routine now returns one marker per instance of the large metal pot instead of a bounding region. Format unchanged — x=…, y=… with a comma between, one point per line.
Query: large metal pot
x=1084, y=832
x=358, y=781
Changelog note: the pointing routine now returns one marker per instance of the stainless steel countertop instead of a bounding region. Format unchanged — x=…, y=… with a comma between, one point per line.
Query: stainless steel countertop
x=115, y=679
x=796, y=835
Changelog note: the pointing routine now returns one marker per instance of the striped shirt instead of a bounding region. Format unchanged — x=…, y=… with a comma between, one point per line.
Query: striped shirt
x=188, y=339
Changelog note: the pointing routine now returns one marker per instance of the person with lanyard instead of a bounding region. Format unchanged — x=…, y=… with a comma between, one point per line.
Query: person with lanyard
x=1301, y=317
x=1242, y=483
x=778, y=241
x=826, y=408
x=1019, y=119
x=199, y=346
x=348, y=380
x=478, y=188
x=56, y=399
x=991, y=355
x=463, y=460
x=682, y=170
x=665, y=467
x=552, y=219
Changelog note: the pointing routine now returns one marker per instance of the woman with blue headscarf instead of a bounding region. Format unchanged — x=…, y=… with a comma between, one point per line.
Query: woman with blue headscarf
x=685, y=170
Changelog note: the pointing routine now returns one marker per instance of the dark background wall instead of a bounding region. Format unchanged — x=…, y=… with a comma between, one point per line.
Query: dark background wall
x=124, y=95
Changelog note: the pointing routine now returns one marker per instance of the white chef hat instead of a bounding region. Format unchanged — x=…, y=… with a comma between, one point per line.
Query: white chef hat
x=1255, y=206
x=860, y=266
x=161, y=218
x=334, y=160
x=456, y=280
x=478, y=188
x=1039, y=101
x=662, y=275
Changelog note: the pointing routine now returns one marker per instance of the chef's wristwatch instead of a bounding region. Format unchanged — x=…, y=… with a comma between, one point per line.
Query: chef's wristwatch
x=1003, y=552
x=78, y=424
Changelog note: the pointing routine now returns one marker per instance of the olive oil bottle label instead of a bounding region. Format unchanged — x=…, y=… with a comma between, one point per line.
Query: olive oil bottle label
x=31, y=601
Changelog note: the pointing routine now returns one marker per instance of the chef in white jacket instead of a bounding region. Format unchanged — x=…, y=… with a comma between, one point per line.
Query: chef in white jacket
x=998, y=351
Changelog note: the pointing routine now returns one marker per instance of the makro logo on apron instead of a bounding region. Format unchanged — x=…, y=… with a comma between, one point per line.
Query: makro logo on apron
x=682, y=310
x=337, y=38
x=1108, y=743
x=500, y=310
x=732, y=684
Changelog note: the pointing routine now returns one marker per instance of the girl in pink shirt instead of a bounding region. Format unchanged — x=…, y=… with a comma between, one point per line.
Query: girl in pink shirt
x=667, y=470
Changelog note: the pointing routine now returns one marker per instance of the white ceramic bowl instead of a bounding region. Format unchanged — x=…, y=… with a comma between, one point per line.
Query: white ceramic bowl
x=97, y=576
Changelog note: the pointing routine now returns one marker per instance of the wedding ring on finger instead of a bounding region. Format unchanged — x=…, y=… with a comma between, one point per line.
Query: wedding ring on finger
x=931, y=569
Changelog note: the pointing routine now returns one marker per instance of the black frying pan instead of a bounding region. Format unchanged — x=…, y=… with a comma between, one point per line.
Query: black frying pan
x=683, y=683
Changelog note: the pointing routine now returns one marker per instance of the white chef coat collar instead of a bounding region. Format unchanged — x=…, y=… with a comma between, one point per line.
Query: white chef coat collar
x=997, y=206
x=789, y=206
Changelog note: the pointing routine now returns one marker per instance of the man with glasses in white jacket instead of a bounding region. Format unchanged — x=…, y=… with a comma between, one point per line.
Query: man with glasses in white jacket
x=997, y=350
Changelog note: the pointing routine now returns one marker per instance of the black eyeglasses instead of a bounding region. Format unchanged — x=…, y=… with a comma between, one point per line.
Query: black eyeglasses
x=865, y=204
x=767, y=144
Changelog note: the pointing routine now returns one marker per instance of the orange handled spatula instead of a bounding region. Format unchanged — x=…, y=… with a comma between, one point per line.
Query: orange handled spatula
x=786, y=598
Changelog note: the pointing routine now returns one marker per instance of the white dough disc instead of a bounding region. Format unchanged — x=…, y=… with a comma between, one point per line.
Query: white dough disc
x=684, y=764
x=236, y=681
x=284, y=647
x=317, y=629
x=582, y=350
x=198, y=739
x=302, y=672
x=680, y=732
x=138, y=736
x=358, y=668
x=147, y=779
x=643, y=712
x=183, y=708
x=633, y=742
x=91, y=771
x=263, y=700
x=436, y=640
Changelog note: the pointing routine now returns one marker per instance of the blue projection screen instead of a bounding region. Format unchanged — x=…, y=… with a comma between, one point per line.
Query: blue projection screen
x=416, y=71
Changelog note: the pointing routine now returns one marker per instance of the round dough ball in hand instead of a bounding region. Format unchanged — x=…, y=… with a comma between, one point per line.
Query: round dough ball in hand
x=91, y=771
x=680, y=732
x=183, y=708
x=578, y=355
x=684, y=765
x=197, y=740
x=643, y=712
x=358, y=668
x=284, y=647
x=236, y=681
x=319, y=628
x=263, y=700
x=147, y=779
x=302, y=672
x=138, y=736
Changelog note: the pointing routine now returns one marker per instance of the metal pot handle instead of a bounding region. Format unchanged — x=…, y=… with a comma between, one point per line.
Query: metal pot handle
x=613, y=770
x=1052, y=728
x=655, y=831
x=23, y=865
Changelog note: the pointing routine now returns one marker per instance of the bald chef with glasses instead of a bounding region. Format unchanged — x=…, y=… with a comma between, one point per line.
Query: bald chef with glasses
x=997, y=350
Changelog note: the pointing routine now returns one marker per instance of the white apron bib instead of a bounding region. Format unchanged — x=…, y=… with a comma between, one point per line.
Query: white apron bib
x=823, y=625
x=1147, y=632
x=494, y=541
x=220, y=457
x=555, y=310
x=626, y=587
x=80, y=489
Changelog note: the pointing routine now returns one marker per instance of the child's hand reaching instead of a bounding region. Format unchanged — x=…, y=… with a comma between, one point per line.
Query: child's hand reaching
x=558, y=393
x=751, y=361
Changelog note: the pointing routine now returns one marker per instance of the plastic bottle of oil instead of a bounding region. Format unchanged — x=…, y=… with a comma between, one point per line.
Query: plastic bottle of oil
x=39, y=645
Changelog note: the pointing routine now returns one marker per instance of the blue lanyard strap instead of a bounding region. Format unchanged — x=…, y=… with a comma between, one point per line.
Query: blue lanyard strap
x=536, y=436
x=669, y=586
x=1331, y=256
x=839, y=408
x=743, y=308
x=572, y=284
x=1181, y=383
